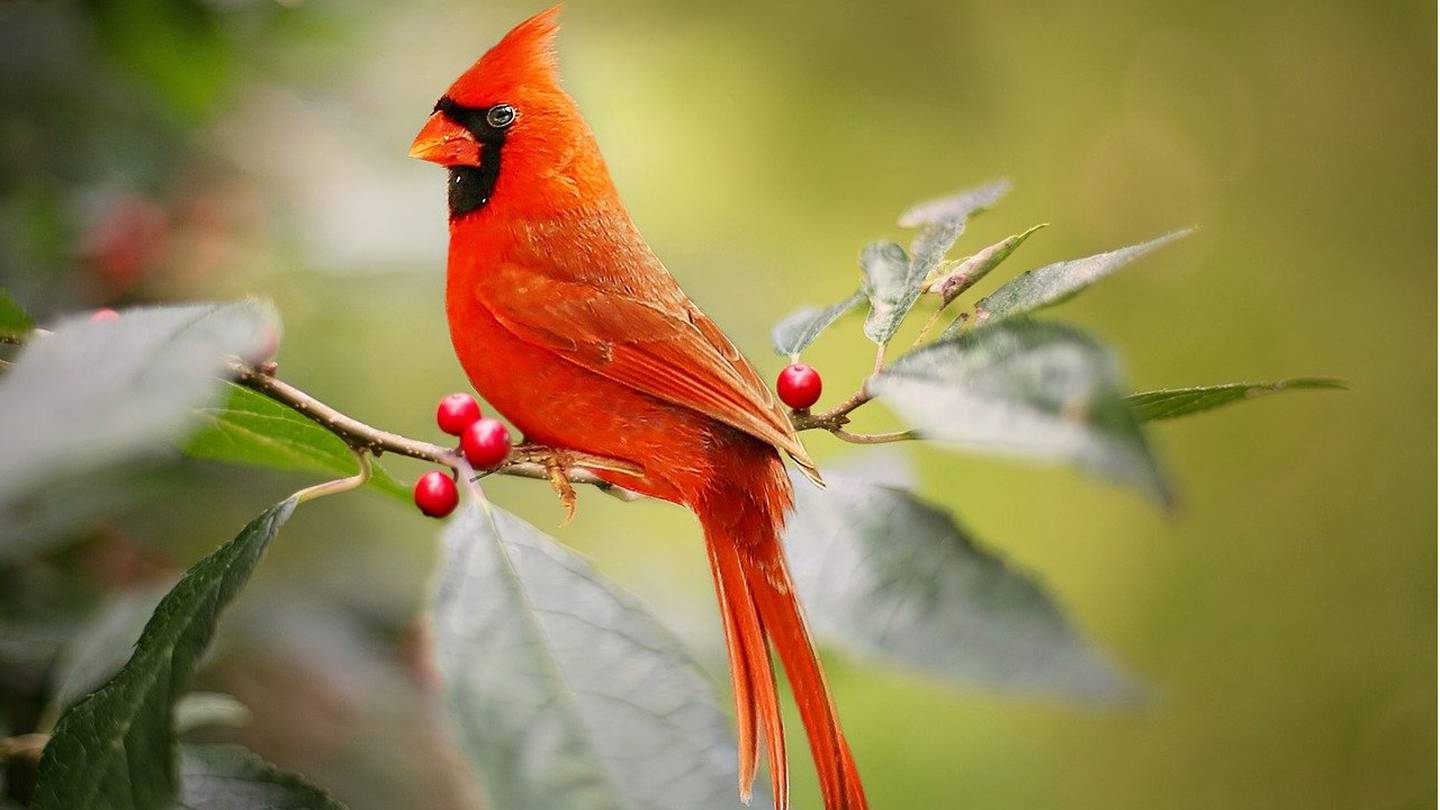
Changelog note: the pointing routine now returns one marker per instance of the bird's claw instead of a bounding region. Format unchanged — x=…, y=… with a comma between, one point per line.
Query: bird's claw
x=555, y=467
x=557, y=464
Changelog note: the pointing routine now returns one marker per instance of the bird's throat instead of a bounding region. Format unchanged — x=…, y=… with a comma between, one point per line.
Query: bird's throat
x=471, y=187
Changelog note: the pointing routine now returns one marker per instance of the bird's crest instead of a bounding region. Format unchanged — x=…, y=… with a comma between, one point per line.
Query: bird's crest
x=525, y=57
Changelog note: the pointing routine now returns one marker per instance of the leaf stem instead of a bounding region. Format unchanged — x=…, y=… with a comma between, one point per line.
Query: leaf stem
x=340, y=484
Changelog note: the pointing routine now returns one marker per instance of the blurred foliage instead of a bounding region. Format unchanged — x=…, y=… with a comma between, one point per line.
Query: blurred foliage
x=1284, y=616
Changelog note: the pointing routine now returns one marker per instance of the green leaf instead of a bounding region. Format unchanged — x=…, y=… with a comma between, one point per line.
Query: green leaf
x=800, y=328
x=14, y=321
x=116, y=748
x=961, y=205
x=1172, y=402
x=1054, y=283
x=894, y=282
x=228, y=777
x=886, y=281
x=1029, y=389
x=251, y=428
x=566, y=694
x=966, y=274
x=97, y=395
x=101, y=645
x=886, y=575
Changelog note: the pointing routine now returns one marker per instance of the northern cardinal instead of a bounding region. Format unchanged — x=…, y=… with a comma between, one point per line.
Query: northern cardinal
x=570, y=326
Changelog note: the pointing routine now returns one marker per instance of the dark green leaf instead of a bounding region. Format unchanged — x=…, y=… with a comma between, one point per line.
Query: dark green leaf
x=102, y=645
x=1172, y=402
x=227, y=777
x=116, y=748
x=1054, y=283
x=800, y=328
x=889, y=576
x=95, y=395
x=1030, y=389
x=14, y=321
x=961, y=205
x=566, y=694
x=251, y=428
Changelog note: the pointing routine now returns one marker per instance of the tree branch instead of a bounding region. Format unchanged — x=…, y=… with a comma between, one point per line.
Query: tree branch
x=525, y=462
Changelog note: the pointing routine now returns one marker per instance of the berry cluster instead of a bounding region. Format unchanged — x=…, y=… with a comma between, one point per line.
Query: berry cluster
x=485, y=442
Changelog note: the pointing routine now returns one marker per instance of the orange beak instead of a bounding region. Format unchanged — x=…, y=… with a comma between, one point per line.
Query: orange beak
x=445, y=142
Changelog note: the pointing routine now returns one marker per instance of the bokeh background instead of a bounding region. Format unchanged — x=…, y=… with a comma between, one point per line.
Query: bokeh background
x=1284, y=618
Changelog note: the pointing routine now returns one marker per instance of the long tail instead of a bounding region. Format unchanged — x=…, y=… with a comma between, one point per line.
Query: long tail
x=742, y=522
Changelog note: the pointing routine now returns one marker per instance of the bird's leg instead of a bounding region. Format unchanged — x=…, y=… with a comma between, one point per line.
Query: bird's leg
x=560, y=482
x=557, y=464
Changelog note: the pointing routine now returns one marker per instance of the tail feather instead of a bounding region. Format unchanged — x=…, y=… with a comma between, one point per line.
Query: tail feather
x=758, y=606
x=775, y=597
x=750, y=674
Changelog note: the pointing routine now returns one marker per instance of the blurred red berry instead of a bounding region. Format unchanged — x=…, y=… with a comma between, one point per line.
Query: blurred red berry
x=435, y=494
x=485, y=443
x=125, y=241
x=105, y=314
x=457, y=412
x=798, y=386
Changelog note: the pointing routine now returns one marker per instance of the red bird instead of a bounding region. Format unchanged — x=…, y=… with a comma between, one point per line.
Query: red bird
x=571, y=327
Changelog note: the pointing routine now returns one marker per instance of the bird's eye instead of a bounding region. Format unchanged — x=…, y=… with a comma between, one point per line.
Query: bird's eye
x=500, y=116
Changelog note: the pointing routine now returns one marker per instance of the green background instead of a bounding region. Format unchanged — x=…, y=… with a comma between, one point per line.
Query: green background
x=1283, y=617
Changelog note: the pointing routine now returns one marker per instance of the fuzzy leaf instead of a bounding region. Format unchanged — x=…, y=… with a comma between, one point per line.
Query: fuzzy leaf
x=250, y=428
x=894, y=282
x=566, y=694
x=1172, y=402
x=800, y=328
x=95, y=395
x=1035, y=390
x=14, y=321
x=961, y=205
x=887, y=282
x=228, y=777
x=116, y=748
x=886, y=575
x=1054, y=283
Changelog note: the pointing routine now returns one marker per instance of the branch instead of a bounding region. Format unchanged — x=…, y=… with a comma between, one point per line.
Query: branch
x=524, y=462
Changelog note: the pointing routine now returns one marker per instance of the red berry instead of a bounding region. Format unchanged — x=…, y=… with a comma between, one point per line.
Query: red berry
x=435, y=494
x=106, y=314
x=457, y=412
x=485, y=443
x=799, y=386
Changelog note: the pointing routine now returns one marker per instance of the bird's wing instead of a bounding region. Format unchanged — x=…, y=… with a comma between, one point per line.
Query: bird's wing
x=666, y=348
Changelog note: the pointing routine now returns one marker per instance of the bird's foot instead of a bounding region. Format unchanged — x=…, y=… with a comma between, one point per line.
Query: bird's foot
x=557, y=464
x=560, y=482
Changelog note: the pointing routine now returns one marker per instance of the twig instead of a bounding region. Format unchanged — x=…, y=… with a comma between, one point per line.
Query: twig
x=836, y=417
x=25, y=747
x=873, y=438
x=525, y=462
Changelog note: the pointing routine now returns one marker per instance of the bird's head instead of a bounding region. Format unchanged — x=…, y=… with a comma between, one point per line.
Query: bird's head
x=507, y=117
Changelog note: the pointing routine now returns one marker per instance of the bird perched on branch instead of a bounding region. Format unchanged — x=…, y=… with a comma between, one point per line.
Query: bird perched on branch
x=571, y=327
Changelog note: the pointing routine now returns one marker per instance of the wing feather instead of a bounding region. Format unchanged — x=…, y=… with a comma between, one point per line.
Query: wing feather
x=666, y=348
